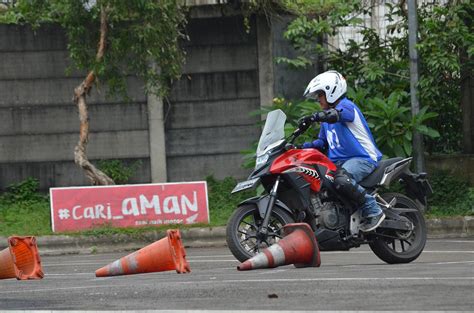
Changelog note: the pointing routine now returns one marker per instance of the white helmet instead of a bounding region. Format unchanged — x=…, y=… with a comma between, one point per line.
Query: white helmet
x=331, y=82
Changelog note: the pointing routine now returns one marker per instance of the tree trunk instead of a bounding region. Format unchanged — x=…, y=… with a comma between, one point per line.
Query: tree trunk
x=96, y=176
x=467, y=107
x=467, y=98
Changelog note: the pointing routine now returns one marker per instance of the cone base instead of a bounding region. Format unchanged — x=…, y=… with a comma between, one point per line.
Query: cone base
x=21, y=259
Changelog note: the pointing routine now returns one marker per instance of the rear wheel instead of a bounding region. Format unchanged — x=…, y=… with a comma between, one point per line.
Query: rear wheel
x=243, y=226
x=394, y=246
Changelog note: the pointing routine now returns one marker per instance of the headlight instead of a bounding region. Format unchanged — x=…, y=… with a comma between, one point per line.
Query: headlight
x=261, y=160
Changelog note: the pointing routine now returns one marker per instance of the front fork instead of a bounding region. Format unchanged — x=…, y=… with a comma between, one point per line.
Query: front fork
x=263, y=229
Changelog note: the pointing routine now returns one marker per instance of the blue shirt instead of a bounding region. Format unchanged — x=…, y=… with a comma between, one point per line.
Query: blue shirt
x=348, y=138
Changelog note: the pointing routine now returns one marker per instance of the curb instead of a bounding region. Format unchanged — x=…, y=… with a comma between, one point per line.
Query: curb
x=62, y=244
x=453, y=227
x=205, y=237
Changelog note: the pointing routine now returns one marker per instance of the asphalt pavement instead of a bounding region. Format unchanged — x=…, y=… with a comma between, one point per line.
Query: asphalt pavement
x=442, y=278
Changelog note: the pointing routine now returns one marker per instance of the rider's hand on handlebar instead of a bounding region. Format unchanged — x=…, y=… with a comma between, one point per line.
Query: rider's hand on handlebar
x=318, y=116
x=305, y=122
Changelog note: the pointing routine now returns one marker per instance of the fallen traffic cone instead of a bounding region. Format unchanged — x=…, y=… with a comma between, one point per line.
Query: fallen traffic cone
x=166, y=254
x=21, y=259
x=299, y=247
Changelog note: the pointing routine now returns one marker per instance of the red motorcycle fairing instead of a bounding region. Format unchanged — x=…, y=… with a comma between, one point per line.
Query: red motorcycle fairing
x=303, y=161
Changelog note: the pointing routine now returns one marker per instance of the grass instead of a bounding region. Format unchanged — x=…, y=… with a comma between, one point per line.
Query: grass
x=452, y=196
x=25, y=218
x=463, y=207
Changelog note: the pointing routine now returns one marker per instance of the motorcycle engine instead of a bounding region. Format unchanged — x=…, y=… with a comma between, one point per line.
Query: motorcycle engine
x=328, y=214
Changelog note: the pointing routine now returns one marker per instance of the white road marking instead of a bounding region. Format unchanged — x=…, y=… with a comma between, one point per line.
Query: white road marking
x=107, y=262
x=272, y=272
x=69, y=274
x=214, y=311
x=211, y=256
x=72, y=264
x=456, y=241
x=213, y=261
x=447, y=251
x=403, y=266
x=455, y=262
x=370, y=252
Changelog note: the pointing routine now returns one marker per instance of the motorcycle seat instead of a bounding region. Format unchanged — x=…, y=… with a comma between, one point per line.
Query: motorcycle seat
x=375, y=177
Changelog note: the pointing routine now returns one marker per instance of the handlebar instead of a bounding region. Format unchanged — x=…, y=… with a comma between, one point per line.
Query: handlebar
x=295, y=135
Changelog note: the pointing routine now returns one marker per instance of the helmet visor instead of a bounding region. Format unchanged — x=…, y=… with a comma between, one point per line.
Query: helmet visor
x=316, y=95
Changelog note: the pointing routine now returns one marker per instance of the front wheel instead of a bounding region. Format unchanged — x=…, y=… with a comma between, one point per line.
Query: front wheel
x=394, y=246
x=243, y=226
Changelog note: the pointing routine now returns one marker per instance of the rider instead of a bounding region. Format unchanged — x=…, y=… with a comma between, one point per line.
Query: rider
x=346, y=135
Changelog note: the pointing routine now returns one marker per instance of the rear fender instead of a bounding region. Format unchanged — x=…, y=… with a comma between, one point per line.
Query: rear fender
x=262, y=202
x=417, y=187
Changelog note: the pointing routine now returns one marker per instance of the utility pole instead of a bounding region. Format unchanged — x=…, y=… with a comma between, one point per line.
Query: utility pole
x=415, y=105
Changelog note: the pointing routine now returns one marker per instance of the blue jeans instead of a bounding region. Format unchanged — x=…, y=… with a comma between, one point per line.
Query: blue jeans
x=359, y=169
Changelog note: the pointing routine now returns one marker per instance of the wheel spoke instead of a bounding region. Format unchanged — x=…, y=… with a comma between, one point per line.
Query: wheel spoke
x=251, y=225
x=274, y=234
x=247, y=234
x=275, y=227
x=393, y=245
x=403, y=246
x=253, y=248
x=246, y=239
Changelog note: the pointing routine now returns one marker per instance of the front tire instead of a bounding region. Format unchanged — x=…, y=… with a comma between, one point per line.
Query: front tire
x=408, y=245
x=243, y=225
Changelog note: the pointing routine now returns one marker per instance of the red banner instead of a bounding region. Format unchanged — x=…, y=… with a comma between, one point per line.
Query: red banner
x=76, y=208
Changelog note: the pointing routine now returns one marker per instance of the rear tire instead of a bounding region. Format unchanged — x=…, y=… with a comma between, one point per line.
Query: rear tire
x=409, y=245
x=242, y=229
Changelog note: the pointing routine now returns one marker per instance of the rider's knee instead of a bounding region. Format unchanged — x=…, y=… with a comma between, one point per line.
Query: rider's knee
x=344, y=183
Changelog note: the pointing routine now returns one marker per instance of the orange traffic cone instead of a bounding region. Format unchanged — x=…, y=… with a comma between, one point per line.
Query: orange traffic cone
x=299, y=247
x=166, y=254
x=21, y=259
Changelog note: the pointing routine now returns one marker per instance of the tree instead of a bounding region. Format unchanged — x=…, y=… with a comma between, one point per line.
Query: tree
x=110, y=39
x=377, y=65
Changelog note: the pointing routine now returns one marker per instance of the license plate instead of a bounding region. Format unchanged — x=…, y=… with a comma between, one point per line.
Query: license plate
x=245, y=185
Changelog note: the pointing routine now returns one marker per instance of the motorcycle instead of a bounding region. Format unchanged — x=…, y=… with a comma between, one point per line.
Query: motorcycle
x=299, y=187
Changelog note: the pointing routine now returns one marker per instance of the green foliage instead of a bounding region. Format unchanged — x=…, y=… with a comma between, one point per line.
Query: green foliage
x=452, y=195
x=379, y=66
x=135, y=232
x=140, y=33
x=25, y=191
x=24, y=211
x=446, y=42
x=391, y=123
x=221, y=202
x=118, y=170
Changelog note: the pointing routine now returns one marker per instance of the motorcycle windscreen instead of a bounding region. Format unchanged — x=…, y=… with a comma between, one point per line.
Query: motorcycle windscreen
x=273, y=131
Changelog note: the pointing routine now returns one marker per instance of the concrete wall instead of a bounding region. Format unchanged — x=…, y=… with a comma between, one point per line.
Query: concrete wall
x=458, y=165
x=289, y=83
x=206, y=116
x=208, y=122
x=39, y=122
